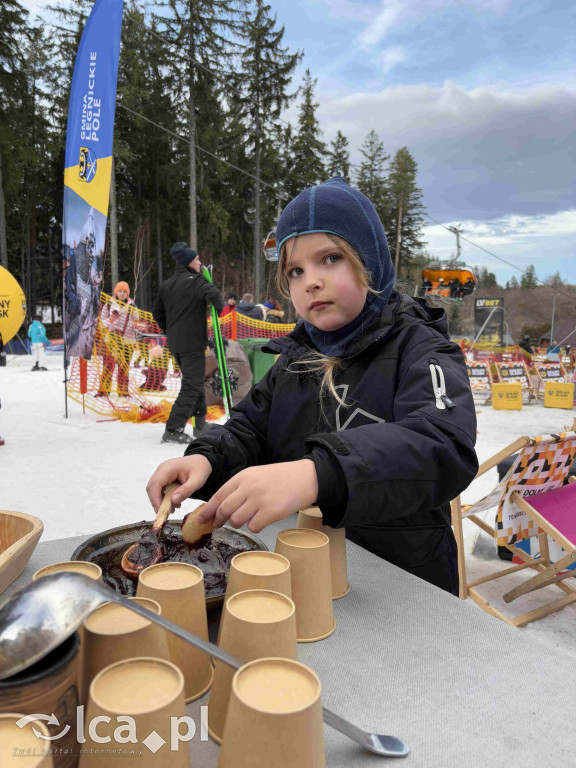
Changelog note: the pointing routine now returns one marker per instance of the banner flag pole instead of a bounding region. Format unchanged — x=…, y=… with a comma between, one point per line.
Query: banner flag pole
x=87, y=172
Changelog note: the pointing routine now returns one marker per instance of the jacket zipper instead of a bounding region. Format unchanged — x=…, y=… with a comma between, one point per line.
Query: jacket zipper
x=439, y=387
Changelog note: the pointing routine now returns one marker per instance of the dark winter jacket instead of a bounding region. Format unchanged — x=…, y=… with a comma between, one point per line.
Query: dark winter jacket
x=180, y=309
x=250, y=310
x=387, y=465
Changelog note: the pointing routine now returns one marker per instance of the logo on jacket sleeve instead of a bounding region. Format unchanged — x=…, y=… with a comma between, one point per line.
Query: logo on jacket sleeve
x=345, y=417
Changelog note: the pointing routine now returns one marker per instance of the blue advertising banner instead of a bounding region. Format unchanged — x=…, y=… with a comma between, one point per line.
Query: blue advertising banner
x=88, y=167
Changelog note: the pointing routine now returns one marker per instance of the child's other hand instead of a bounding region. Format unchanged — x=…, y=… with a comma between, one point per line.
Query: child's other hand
x=191, y=471
x=263, y=495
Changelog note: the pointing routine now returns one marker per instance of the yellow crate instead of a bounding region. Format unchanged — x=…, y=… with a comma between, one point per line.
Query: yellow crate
x=507, y=397
x=558, y=395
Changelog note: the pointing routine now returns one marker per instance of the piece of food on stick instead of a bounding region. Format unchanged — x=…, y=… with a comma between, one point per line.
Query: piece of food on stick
x=149, y=551
x=192, y=530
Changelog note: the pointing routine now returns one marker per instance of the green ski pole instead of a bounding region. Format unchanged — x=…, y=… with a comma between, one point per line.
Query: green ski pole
x=220, y=353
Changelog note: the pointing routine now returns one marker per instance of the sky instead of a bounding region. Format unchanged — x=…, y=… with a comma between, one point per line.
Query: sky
x=482, y=93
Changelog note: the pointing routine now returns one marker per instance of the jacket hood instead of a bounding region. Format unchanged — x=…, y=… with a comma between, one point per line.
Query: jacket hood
x=400, y=312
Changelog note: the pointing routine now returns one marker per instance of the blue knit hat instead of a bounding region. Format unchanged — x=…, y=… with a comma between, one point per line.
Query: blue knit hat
x=338, y=209
x=182, y=254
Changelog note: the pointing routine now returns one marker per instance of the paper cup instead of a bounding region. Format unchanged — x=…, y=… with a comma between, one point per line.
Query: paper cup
x=151, y=691
x=179, y=589
x=20, y=746
x=91, y=570
x=255, y=623
x=113, y=633
x=309, y=554
x=312, y=518
x=274, y=718
x=259, y=570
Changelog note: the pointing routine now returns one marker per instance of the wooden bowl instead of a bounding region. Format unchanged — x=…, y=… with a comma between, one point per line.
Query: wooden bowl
x=19, y=534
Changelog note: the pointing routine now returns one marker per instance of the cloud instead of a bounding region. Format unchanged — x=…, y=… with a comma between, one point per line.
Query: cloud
x=396, y=16
x=548, y=242
x=387, y=60
x=482, y=153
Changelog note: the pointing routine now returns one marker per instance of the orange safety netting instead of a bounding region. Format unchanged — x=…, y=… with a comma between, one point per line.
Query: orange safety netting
x=131, y=375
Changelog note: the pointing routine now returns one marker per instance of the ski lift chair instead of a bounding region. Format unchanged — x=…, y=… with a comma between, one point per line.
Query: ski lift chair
x=270, y=251
x=531, y=500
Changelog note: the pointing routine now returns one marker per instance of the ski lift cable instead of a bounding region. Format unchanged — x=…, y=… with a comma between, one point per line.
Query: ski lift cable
x=220, y=76
x=505, y=261
x=221, y=159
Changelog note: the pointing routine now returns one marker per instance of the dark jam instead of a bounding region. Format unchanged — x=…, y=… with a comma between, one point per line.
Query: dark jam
x=212, y=554
x=148, y=551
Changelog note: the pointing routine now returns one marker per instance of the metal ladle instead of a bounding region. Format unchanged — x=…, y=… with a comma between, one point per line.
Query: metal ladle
x=41, y=616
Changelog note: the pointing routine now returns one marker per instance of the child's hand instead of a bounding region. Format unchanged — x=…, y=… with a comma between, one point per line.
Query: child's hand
x=263, y=495
x=191, y=471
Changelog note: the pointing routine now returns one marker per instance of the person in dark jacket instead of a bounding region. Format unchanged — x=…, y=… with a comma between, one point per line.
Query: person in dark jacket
x=526, y=345
x=180, y=310
x=248, y=308
x=367, y=413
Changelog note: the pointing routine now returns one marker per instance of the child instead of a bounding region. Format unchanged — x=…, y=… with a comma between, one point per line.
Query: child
x=367, y=413
x=39, y=340
x=120, y=319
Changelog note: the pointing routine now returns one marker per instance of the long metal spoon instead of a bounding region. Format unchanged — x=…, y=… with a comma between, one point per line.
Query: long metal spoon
x=42, y=615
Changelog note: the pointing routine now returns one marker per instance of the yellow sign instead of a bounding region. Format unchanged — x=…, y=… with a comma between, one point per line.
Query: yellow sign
x=507, y=397
x=558, y=395
x=12, y=305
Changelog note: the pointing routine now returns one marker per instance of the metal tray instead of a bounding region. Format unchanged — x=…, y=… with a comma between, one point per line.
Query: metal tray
x=120, y=538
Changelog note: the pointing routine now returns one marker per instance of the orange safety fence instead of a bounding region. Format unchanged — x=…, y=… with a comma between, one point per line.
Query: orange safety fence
x=131, y=375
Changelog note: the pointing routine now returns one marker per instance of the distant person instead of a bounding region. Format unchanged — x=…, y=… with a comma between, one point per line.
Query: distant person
x=2, y=352
x=118, y=321
x=468, y=287
x=525, y=344
x=230, y=306
x=38, y=342
x=553, y=352
x=274, y=312
x=180, y=310
x=249, y=309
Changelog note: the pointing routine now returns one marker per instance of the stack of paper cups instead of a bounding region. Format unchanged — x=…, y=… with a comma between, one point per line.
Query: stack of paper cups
x=312, y=518
x=255, y=623
x=179, y=589
x=309, y=554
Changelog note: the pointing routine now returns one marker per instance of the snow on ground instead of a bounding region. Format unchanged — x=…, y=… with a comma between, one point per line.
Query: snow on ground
x=81, y=475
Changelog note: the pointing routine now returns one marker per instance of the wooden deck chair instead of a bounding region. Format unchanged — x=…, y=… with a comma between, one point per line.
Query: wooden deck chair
x=480, y=378
x=516, y=373
x=541, y=467
x=548, y=372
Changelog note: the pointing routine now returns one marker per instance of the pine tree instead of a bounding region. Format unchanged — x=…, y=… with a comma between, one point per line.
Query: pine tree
x=13, y=25
x=528, y=279
x=338, y=163
x=201, y=33
x=371, y=179
x=308, y=148
x=260, y=93
x=405, y=220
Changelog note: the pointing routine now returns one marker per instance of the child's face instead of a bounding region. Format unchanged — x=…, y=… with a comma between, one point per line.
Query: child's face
x=122, y=295
x=323, y=287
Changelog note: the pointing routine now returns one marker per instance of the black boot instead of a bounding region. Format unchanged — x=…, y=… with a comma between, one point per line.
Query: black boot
x=200, y=426
x=176, y=436
x=35, y=367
